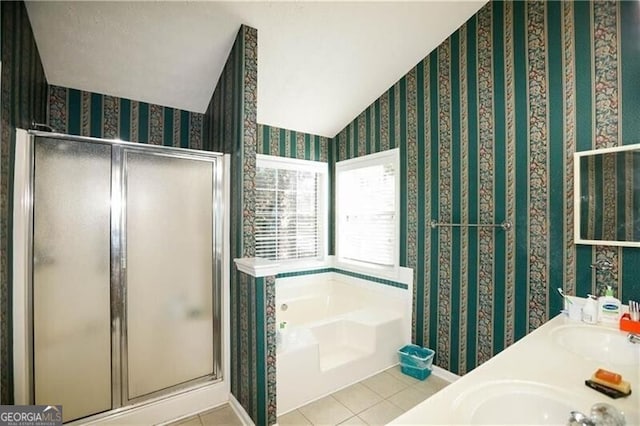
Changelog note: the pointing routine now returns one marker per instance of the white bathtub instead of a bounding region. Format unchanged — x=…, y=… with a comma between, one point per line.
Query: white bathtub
x=340, y=330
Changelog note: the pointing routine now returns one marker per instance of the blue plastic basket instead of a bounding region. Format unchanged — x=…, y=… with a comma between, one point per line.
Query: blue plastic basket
x=416, y=356
x=415, y=372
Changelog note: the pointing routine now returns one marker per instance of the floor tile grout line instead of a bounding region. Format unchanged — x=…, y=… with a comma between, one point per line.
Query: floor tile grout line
x=348, y=409
x=381, y=398
x=336, y=400
x=383, y=372
x=361, y=419
x=302, y=414
x=416, y=386
x=395, y=405
x=370, y=388
x=395, y=393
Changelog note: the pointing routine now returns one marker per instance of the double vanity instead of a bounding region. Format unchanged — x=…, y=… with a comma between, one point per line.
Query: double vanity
x=539, y=380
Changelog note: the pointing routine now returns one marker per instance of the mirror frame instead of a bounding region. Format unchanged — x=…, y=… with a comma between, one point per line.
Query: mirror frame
x=577, y=196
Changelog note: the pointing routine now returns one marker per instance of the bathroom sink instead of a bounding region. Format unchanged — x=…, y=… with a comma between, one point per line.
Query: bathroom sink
x=516, y=402
x=608, y=346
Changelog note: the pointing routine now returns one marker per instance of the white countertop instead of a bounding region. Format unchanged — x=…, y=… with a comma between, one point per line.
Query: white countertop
x=536, y=360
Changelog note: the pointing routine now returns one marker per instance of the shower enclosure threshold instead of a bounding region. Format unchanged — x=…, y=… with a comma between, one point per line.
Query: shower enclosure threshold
x=164, y=409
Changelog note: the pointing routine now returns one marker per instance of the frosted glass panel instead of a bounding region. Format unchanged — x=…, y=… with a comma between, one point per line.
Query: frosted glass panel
x=169, y=277
x=72, y=335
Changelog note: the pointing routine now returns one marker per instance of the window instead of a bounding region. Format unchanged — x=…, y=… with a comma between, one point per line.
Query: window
x=290, y=208
x=367, y=204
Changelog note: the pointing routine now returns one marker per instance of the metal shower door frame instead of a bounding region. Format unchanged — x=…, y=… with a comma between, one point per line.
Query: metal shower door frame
x=119, y=266
x=119, y=374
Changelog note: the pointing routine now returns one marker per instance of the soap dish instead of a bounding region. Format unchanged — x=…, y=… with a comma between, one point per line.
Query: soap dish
x=627, y=325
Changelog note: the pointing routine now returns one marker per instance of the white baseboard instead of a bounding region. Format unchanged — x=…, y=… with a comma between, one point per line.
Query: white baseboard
x=240, y=411
x=445, y=374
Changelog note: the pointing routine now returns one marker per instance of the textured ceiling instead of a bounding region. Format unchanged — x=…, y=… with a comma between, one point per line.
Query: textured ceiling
x=319, y=63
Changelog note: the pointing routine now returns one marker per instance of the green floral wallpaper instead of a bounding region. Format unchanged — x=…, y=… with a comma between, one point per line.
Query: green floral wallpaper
x=487, y=125
x=230, y=126
x=289, y=143
x=77, y=112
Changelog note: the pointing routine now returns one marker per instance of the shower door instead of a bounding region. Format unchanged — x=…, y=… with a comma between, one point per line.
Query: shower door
x=71, y=279
x=126, y=272
x=168, y=244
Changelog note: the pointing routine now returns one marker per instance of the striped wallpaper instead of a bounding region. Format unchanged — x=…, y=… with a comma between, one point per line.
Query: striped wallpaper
x=230, y=126
x=255, y=356
x=24, y=99
x=77, y=112
x=487, y=125
x=289, y=143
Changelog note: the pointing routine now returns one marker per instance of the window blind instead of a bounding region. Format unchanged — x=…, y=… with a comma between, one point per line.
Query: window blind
x=287, y=212
x=367, y=214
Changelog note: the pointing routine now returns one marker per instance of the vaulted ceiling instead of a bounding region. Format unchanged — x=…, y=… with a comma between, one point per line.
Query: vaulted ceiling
x=319, y=63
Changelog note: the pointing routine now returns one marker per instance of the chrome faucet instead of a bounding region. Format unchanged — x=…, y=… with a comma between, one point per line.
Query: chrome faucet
x=578, y=419
x=602, y=414
x=633, y=338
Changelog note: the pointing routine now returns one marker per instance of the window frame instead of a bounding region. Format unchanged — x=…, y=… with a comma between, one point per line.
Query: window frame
x=321, y=168
x=384, y=157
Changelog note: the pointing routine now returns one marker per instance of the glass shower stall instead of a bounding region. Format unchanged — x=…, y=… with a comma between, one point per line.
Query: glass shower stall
x=124, y=282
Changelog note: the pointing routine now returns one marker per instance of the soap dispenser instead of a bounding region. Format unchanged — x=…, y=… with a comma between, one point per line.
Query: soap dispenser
x=590, y=310
x=609, y=308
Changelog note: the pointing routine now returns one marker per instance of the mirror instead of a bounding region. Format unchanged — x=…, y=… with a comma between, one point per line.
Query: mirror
x=607, y=196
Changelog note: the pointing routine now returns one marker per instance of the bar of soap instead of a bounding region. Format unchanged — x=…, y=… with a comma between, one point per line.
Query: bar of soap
x=623, y=386
x=608, y=376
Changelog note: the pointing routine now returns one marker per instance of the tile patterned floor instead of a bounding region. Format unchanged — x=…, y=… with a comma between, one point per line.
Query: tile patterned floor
x=373, y=401
x=223, y=415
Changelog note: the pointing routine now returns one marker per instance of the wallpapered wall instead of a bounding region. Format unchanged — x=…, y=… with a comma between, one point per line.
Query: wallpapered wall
x=289, y=143
x=255, y=355
x=83, y=113
x=230, y=126
x=24, y=99
x=487, y=125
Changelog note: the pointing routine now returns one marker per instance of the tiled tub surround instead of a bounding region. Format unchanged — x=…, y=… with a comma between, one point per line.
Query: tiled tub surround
x=340, y=329
x=536, y=368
